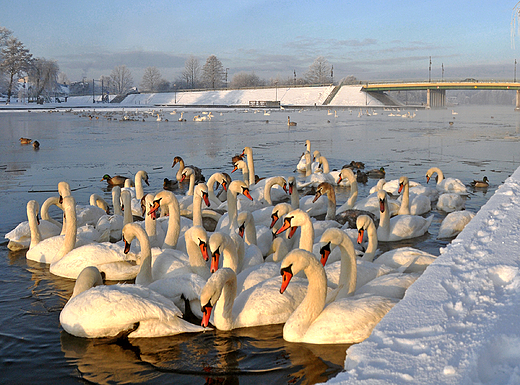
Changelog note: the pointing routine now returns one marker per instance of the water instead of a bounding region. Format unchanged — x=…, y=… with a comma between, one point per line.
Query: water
x=33, y=347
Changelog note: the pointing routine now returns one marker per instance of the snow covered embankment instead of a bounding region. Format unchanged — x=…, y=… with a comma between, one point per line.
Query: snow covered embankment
x=460, y=322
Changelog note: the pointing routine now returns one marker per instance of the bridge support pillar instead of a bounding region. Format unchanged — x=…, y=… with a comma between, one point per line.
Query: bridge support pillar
x=437, y=98
x=517, y=108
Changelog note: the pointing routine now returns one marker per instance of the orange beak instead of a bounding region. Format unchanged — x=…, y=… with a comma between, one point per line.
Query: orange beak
x=339, y=179
x=361, y=232
x=247, y=194
x=286, y=278
x=204, y=250
x=214, y=261
x=206, y=314
x=400, y=188
x=205, y=197
x=325, y=252
x=382, y=205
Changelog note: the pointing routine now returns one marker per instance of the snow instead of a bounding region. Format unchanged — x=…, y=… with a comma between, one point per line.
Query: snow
x=459, y=323
x=288, y=96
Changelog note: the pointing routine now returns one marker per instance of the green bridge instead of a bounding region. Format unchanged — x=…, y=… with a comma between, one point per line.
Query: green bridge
x=436, y=91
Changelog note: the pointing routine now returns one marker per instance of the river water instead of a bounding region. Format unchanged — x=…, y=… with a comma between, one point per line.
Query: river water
x=81, y=146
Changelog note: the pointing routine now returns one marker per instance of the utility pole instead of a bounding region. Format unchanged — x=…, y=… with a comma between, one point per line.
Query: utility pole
x=442, y=71
x=430, y=71
x=515, y=73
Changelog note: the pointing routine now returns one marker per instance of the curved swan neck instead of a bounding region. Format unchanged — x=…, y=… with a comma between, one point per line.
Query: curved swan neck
x=308, y=161
x=44, y=212
x=116, y=200
x=32, y=213
x=127, y=205
x=139, y=191
x=331, y=204
x=174, y=224
x=144, y=277
x=197, y=262
x=404, y=209
x=269, y=185
x=370, y=252
x=69, y=242
x=307, y=236
x=223, y=313
x=311, y=306
x=348, y=270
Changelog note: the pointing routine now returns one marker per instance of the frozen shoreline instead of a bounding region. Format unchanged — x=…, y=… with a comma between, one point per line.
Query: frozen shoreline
x=459, y=322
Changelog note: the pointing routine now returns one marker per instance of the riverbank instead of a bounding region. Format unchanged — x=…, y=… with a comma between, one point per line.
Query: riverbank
x=459, y=322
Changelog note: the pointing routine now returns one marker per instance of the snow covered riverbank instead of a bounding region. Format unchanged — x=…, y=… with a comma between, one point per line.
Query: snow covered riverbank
x=459, y=323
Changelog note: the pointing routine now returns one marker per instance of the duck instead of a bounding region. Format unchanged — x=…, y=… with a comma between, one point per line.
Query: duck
x=347, y=320
x=361, y=177
x=454, y=223
x=377, y=173
x=401, y=226
x=259, y=305
x=117, y=180
x=25, y=140
x=403, y=259
x=20, y=237
x=121, y=310
x=289, y=123
x=36, y=145
x=452, y=185
x=170, y=184
x=420, y=204
x=199, y=177
x=484, y=183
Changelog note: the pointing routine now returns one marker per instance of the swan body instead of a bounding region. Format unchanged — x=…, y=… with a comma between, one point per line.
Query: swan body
x=401, y=226
x=259, y=305
x=449, y=202
x=199, y=177
x=447, y=185
x=454, y=223
x=420, y=204
x=347, y=320
x=108, y=311
x=20, y=236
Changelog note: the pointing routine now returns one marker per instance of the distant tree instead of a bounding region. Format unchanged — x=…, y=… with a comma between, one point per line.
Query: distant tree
x=191, y=73
x=121, y=79
x=213, y=73
x=244, y=79
x=319, y=72
x=63, y=78
x=5, y=34
x=163, y=86
x=16, y=61
x=151, y=79
x=43, y=76
x=350, y=79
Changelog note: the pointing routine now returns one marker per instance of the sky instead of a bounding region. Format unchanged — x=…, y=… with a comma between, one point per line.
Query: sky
x=371, y=40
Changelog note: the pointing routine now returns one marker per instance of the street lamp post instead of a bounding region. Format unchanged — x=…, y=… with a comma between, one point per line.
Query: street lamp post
x=226, y=77
x=515, y=73
x=175, y=90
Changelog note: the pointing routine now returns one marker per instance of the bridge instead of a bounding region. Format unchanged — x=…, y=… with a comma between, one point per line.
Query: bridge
x=436, y=91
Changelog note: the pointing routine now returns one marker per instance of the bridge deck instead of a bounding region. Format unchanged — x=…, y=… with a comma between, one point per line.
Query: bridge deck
x=442, y=86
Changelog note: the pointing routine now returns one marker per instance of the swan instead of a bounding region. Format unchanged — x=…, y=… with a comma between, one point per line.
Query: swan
x=108, y=257
x=326, y=189
x=448, y=185
x=313, y=179
x=46, y=250
x=420, y=204
x=121, y=309
x=20, y=236
x=218, y=178
x=248, y=152
x=347, y=320
x=155, y=233
x=454, y=223
x=167, y=199
x=260, y=236
x=298, y=218
x=114, y=223
x=229, y=222
x=199, y=177
x=242, y=166
x=259, y=305
x=98, y=201
x=449, y=202
x=289, y=123
x=355, y=274
x=401, y=226
x=404, y=259
x=302, y=162
x=85, y=214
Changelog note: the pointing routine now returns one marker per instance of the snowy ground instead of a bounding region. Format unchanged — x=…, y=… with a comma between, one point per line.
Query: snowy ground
x=460, y=322
x=288, y=96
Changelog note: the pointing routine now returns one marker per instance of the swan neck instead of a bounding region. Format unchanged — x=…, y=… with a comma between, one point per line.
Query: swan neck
x=331, y=205
x=116, y=200
x=250, y=166
x=223, y=313
x=32, y=213
x=144, y=277
x=348, y=270
x=405, y=201
x=370, y=252
x=174, y=225
x=307, y=236
x=69, y=242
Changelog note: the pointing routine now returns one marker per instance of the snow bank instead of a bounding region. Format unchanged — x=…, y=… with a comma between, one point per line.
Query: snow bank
x=459, y=323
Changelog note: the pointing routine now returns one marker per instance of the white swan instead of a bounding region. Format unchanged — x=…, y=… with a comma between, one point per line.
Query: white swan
x=448, y=184
x=167, y=199
x=242, y=166
x=355, y=277
x=20, y=236
x=248, y=152
x=347, y=174
x=109, y=311
x=218, y=178
x=454, y=223
x=260, y=236
x=85, y=214
x=137, y=192
x=401, y=226
x=259, y=305
x=46, y=250
x=347, y=320
x=449, y=202
x=302, y=164
x=107, y=257
x=198, y=172
x=228, y=222
x=403, y=259
x=420, y=204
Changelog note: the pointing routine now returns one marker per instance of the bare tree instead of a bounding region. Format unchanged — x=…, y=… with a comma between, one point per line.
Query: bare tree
x=213, y=73
x=191, y=73
x=43, y=76
x=151, y=79
x=244, y=79
x=5, y=34
x=121, y=79
x=63, y=78
x=320, y=72
x=16, y=61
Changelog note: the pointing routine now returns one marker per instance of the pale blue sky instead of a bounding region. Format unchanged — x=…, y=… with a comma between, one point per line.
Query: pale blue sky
x=372, y=40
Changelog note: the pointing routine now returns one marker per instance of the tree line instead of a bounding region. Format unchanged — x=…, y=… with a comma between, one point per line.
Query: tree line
x=25, y=76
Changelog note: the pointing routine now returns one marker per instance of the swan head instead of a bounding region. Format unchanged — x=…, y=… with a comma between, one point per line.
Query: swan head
x=202, y=190
x=63, y=190
x=143, y=175
x=294, y=262
x=238, y=186
x=292, y=220
x=330, y=238
x=186, y=173
x=322, y=189
x=217, y=243
x=292, y=183
x=176, y=160
x=402, y=182
x=347, y=173
x=362, y=224
x=88, y=278
x=279, y=211
x=381, y=195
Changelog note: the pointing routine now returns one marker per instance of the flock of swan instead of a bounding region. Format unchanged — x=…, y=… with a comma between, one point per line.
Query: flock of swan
x=238, y=253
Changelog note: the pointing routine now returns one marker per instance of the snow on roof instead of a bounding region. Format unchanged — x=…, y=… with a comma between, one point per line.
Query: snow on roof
x=459, y=323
